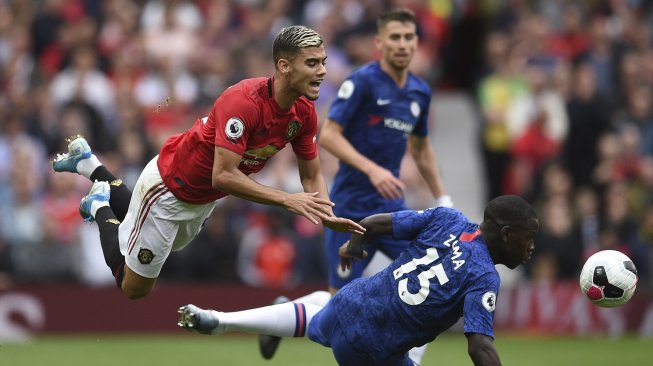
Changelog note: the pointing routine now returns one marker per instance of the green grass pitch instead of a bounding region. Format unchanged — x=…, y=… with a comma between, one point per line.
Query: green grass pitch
x=242, y=350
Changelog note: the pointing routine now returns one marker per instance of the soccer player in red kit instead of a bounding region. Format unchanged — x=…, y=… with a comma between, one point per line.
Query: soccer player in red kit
x=177, y=190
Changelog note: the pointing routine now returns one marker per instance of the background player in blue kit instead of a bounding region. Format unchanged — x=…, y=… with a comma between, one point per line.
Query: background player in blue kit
x=447, y=271
x=381, y=110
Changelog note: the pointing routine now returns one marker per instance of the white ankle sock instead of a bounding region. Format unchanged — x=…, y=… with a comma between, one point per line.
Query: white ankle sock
x=319, y=298
x=95, y=205
x=278, y=320
x=221, y=328
x=86, y=167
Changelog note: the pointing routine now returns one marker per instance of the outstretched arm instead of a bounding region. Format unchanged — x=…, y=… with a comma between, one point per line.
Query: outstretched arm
x=481, y=350
x=313, y=182
x=333, y=141
x=229, y=179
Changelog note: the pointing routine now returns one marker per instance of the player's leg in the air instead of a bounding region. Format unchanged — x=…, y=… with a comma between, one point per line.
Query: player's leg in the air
x=80, y=160
x=289, y=319
x=106, y=203
x=137, y=241
x=283, y=320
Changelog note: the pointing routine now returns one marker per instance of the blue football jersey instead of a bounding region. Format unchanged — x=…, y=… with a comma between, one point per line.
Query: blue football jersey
x=446, y=272
x=377, y=117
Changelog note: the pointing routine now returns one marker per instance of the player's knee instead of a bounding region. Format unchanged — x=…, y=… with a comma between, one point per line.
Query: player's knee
x=135, y=292
x=135, y=286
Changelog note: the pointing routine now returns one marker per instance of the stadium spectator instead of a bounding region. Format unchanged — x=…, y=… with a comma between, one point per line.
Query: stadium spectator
x=170, y=41
x=267, y=252
x=588, y=220
x=84, y=81
x=588, y=121
x=460, y=253
x=496, y=92
x=618, y=218
x=537, y=124
x=22, y=212
x=16, y=62
x=572, y=41
x=168, y=94
x=638, y=114
x=177, y=190
x=559, y=238
x=602, y=56
x=156, y=13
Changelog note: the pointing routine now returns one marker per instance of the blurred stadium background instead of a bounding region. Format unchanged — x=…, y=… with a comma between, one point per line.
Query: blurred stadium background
x=551, y=100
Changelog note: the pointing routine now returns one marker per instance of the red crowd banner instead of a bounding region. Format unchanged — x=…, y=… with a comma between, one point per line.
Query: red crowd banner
x=29, y=310
x=561, y=308
x=557, y=308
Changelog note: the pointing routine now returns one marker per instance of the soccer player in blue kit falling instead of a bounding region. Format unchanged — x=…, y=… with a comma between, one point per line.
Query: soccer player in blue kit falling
x=446, y=271
x=381, y=110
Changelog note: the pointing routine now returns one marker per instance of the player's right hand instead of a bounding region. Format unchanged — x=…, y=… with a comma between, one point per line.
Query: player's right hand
x=310, y=205
x=388, y=186
x=317, y=209
x=349, y=255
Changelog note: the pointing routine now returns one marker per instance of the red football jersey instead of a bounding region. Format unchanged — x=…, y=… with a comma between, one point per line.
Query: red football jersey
x=246, y=120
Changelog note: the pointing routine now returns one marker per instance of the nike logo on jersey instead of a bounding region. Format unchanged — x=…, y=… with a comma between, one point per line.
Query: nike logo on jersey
x=381, y=101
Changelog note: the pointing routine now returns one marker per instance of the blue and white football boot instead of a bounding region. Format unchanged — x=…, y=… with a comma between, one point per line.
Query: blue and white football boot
x=100, y=191
x=78, y=150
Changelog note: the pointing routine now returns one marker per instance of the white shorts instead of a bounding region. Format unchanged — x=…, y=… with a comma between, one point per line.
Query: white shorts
x=157, y=223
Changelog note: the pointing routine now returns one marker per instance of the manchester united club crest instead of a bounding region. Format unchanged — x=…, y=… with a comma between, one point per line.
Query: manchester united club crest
x=293, y=128
x=145, y=256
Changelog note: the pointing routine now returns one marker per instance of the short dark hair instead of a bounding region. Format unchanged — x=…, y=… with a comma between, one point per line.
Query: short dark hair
x=508, y=210
x=399, y=14
x=291, y=39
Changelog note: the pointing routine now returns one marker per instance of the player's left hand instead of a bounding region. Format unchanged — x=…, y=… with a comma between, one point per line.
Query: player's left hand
x=343, y=225
x=349, y=255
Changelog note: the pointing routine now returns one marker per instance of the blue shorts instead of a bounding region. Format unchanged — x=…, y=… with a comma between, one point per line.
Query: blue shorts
x=325, y=329
x=334, y=239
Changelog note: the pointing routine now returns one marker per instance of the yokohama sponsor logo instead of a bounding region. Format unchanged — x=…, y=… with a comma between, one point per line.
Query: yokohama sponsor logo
x=396, y=124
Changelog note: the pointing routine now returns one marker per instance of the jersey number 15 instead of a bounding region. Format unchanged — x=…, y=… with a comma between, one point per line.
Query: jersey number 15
x=423, y=277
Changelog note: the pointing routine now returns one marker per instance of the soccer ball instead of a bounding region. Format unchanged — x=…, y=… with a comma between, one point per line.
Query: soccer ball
x=608, y=278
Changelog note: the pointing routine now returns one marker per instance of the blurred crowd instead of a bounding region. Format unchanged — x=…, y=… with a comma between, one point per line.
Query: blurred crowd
x=563, y=91
x=567, y=113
